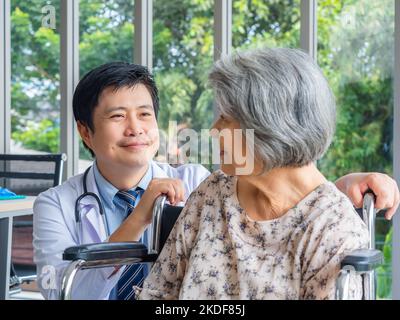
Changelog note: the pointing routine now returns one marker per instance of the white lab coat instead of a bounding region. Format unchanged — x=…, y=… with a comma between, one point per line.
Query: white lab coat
x=55, y=229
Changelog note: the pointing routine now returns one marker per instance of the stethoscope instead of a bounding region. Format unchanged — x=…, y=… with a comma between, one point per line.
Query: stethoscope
x=78, y=218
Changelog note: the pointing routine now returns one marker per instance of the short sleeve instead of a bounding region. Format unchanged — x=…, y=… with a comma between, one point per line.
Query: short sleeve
x=333, y=236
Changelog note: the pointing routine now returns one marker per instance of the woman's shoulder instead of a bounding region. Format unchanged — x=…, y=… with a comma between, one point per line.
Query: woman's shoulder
x=204, y=204
x=212, y=192
x=324, y=198
x=329, y=209
x=216, y=183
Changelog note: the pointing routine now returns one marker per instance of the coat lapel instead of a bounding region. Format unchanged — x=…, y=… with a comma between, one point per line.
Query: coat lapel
x=92, y=221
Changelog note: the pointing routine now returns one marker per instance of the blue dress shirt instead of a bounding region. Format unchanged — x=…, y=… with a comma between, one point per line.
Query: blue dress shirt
x=116, y=210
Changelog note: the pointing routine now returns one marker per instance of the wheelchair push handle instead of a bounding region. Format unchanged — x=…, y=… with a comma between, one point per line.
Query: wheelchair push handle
x=154, y=245
x=163, y=221
x=369, y=215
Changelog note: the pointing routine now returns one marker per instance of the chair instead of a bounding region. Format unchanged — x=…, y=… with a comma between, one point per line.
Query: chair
x=164, y=217
x=27, y=175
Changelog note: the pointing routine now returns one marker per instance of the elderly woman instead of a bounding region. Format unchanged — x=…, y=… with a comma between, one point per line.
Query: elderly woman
x=281, y=230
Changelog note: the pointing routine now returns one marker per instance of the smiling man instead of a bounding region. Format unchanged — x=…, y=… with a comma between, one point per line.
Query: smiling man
x=115, y=107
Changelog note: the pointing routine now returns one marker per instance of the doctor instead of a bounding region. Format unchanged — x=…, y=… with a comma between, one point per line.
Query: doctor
x=116, y=106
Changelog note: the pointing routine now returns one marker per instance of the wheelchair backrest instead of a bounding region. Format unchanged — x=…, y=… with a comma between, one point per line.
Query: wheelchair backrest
x=168, y=219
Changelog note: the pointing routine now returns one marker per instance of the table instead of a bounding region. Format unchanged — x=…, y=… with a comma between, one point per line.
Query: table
x=8, y=210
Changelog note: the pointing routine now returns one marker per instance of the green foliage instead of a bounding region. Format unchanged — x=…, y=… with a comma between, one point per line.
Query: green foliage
x=105, y=34
x=183, y=54
x=355, y=51
x=266, y=23
x=35, y=55
x=363, y=134
x=42, y=136
x=384, y=272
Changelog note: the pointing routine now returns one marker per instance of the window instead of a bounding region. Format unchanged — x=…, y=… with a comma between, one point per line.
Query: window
x=355, y=50
x=35, y=105
x=35, y=78
x=266, y=23
x=183, y=56
x=106, y=34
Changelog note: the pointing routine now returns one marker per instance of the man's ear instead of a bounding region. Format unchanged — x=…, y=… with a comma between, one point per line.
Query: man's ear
x=84, y=132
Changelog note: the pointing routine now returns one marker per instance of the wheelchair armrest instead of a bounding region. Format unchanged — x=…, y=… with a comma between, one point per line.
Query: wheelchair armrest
x=99, y=255
x=363, y=260
x=106, y=251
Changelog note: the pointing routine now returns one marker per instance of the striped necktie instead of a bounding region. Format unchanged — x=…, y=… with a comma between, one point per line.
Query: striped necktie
x=133, y=275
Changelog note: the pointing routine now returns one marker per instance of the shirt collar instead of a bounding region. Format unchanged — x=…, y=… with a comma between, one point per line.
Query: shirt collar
x=108, y=191
x=148, y=176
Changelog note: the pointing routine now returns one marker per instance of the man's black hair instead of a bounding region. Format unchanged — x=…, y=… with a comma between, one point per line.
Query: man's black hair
x=114, y=75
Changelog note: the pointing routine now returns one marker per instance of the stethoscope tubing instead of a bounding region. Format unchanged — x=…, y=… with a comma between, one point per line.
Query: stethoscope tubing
x=78, y=218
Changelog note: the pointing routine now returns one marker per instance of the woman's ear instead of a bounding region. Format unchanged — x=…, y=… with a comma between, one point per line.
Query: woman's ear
x=84, y=132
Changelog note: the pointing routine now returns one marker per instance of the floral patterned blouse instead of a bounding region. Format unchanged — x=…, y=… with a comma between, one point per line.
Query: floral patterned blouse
x=215, y=251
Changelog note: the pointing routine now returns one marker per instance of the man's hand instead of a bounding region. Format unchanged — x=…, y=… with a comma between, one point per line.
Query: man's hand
x=354, y=185
x=134, y=226
x=172, y=188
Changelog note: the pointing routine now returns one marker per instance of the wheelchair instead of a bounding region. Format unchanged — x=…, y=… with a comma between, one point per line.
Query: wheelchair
x=99, y=255
x=363, y=261
x=110, y=254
